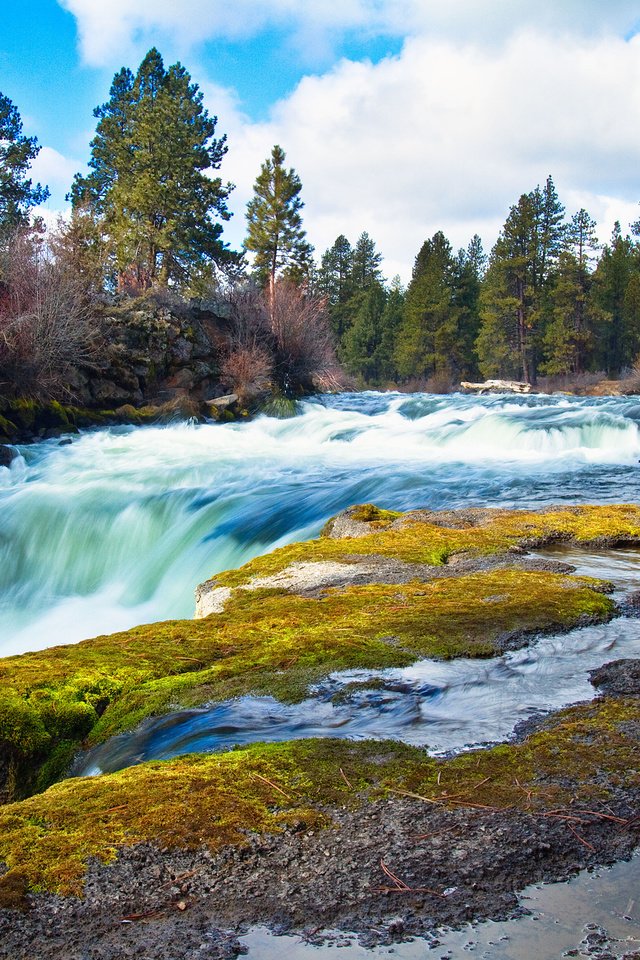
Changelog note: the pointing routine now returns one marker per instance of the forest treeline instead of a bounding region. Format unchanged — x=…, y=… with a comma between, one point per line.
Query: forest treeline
x=547, y=301
x=149, y=215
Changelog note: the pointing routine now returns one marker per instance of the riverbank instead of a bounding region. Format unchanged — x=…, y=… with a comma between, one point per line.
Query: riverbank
x=156, y=359
x=373, y=837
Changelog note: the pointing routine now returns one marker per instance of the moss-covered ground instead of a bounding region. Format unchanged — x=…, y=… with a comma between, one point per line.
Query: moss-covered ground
x=267, y=642
x=580, y=760
x=416, y=540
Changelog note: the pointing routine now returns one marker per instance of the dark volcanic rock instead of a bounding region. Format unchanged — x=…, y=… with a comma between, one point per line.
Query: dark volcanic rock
x=618, y=678
x=7, y=455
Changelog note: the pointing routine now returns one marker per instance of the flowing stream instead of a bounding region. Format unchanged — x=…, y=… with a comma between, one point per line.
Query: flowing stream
x=442, y=705
x=119, y=527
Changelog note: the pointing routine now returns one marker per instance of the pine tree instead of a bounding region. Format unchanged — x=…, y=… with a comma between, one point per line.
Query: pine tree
x=365, y=263
x=615, y=292
x=334, y=274
x=150, y=188
x=334, y=280
x=430, y=319
x=468, y=271
x=275, y=234
x=512, y=301
x=568, y=338
x=18, y=193
x=361, y=345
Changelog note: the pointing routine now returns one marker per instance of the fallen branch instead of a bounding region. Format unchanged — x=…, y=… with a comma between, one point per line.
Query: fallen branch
x=581, y=839
x=346, y=779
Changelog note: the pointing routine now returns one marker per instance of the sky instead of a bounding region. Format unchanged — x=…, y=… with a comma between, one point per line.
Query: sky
x=401, y=117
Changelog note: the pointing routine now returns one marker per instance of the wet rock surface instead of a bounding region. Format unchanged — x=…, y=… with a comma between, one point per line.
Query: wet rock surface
x=7, y=455
x=618, y=678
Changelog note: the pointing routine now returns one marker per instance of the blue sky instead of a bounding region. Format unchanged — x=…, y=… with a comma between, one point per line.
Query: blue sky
x=402, y=117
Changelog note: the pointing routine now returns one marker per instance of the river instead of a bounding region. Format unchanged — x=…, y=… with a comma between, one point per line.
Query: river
x=118, y=527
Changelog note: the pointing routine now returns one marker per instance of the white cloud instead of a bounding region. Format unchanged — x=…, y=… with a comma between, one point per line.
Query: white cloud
x=484, y=101
x=448, y=136
x=125, y=27
x=52, y=168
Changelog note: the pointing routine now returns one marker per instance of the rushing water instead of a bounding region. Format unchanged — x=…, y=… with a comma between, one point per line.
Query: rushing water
x=119, y=527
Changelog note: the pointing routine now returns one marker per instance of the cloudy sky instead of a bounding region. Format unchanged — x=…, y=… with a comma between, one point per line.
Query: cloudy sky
x=402, y=117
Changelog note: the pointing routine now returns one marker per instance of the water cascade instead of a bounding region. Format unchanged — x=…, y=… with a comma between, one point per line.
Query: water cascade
x=120, y=526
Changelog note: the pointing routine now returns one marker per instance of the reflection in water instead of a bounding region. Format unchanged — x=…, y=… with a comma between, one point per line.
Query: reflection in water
x=563, y=916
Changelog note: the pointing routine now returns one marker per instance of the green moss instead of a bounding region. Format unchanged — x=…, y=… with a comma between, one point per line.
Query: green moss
x=14, y=886
x=273, y=642
x=378, y=518
x=7, y=428
x=187, y=802
x=583, y=754
x=418, y=541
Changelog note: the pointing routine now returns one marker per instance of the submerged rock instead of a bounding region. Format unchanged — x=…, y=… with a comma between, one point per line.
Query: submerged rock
x=7, y=455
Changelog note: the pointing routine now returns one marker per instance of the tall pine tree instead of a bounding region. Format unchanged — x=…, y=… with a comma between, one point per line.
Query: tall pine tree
x=512, y=301
x=18, y=193
x=275, y=234
x=616, y=293
x=430, y=319
x=568, y=338
x=150, y=187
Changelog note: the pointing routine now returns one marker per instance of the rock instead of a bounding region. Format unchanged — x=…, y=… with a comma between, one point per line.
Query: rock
x=618, y=678
x=223, y=403
x=183, y=379
x=181, y=350
x=108, y=392
x=7, y=455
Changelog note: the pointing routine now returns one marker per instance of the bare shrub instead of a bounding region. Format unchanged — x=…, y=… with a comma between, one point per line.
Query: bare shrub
x=247, y=370
x=440, y=382
x=282, y=336
x=47, y=326
x=247, y=366
x=570, y=382
x=303, y=340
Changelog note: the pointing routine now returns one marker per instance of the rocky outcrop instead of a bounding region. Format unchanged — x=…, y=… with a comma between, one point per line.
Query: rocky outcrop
x=160, y=360
x=155, y=352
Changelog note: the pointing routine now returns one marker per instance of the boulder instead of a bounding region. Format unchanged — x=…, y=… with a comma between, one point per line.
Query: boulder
x=7, y=455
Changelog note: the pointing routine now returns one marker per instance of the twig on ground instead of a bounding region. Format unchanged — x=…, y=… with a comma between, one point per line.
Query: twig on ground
x=272, y=784
x=346, y=779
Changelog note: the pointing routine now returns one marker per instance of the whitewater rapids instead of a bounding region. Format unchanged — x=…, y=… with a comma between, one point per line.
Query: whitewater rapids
x=119, y=527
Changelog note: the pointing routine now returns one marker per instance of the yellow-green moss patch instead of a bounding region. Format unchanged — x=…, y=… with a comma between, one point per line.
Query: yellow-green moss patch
x=583, y=757
x=415, y=540
x=273, y=642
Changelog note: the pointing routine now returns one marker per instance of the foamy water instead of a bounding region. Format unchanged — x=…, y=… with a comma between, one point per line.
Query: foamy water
x=120, y=526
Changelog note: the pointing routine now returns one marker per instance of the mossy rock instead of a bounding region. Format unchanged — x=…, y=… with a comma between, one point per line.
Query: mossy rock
x=274, y=642
x=584, y=758
x=431, y=538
